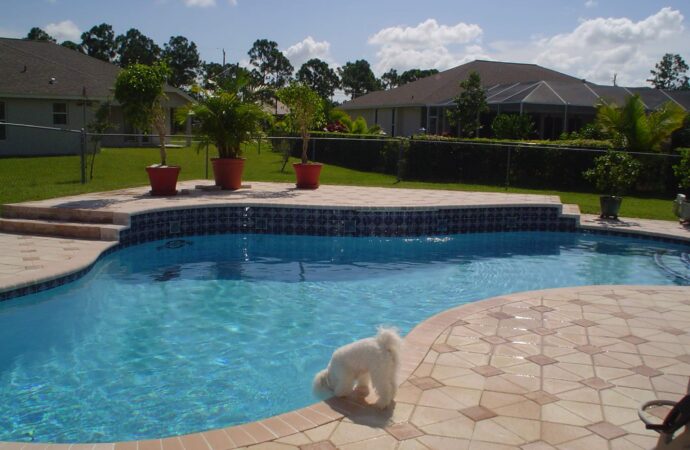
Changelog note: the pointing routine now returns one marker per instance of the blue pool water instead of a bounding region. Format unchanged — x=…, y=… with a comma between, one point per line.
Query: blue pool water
x=175, y=337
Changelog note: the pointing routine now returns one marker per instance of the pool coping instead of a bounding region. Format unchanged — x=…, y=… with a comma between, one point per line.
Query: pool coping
x=417, y=343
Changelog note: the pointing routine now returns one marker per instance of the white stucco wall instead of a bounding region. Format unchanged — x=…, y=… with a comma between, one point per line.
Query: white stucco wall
x=408, y=120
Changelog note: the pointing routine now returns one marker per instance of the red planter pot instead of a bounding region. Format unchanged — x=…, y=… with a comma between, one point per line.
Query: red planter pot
x=307, y=175
x=228, y=172
x=163, y=179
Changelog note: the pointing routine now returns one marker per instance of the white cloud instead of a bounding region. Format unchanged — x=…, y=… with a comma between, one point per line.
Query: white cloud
x=591, y=3
x=64, y=31
x=598, y=48
x=427, y=33
x=428, y=45
x=200, y=3
x=307, y=49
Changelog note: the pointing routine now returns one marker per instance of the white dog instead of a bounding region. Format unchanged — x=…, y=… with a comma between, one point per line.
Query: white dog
x=375, y=359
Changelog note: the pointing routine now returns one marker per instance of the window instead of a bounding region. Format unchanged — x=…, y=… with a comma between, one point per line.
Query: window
x=59, y=113
x=2, y=119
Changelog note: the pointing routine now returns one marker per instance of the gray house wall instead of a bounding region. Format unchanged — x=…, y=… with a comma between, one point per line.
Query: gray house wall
x=21, y=141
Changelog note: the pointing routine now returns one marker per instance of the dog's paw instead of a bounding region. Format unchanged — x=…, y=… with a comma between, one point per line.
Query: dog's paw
x=381, y=405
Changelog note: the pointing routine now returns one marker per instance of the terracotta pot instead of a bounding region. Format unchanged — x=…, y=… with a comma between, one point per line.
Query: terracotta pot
x=228, y=172
x=163, y=179
x=307, y=175
x=610, y=205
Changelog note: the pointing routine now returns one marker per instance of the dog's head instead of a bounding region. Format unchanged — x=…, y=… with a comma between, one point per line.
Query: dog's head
x=321, y=384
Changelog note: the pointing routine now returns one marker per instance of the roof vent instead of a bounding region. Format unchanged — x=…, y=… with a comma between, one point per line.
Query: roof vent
x=24, y=69
x=52, y=80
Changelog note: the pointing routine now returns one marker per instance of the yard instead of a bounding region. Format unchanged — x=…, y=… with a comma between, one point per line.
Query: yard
x=26, y=179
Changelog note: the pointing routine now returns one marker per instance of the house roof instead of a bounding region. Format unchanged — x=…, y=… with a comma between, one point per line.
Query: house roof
x=441, y=88
x=41, y=69
x=510, y=84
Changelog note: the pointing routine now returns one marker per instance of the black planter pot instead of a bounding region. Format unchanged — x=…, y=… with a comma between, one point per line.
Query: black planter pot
x=610, y=205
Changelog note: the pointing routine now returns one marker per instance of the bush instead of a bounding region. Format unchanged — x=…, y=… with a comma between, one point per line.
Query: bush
x=682, y=169
x=614, y=172
x=512, y=126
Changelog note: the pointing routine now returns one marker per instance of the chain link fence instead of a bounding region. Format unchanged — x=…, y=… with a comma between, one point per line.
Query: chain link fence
x=74, y=153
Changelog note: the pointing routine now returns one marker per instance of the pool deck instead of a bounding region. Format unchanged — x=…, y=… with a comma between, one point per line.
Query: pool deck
x=562, y=368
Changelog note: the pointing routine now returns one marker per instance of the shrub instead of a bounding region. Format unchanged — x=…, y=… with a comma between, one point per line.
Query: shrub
x=614, y=172
x=512, y=126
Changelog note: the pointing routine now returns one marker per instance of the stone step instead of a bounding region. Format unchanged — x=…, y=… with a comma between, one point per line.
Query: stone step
x=58, y=228
x=18, y=211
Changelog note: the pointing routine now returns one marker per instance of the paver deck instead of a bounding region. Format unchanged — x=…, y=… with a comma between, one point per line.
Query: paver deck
x=564, y=368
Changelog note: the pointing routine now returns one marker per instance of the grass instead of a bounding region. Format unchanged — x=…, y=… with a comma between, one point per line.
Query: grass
x=26, y=179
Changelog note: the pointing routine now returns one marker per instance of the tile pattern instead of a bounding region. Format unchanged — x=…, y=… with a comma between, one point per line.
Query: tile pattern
x=175, y=223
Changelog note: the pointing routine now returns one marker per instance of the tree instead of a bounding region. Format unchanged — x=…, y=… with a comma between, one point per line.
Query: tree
x=136, y=48
x=411, y=75
x=99, y=42
x=139, y=89
x=37, y=34
x=357, y=78
x=634, y=129
x=73, y=46
x=183, y=59
x=306, y=110
x=390, y=79
x=319, y=77
x=272, y=67
x=469, y=104
x=233, y=78
x=670, y=73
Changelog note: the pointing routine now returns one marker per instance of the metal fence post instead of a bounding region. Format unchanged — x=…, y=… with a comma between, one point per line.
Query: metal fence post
x=83, y=156
x=508, y=169
x=313, y=149
x=399, y=167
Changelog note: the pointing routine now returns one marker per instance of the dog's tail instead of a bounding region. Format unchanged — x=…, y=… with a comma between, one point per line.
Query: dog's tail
x=389, y=339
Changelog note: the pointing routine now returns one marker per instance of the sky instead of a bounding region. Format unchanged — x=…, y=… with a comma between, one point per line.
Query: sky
x=590, y=39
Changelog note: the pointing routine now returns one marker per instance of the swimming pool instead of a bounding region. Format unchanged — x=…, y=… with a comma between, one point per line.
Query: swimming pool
x=172, y=337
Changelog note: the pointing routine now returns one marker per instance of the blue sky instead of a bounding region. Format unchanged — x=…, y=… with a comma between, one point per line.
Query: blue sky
x=591, y=39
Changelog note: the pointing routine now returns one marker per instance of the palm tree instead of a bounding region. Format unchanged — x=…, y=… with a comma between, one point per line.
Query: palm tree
x=634, y=129
x=226, y=119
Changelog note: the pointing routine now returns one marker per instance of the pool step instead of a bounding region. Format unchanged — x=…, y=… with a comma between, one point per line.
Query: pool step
x=18, y=211
x=59, y=228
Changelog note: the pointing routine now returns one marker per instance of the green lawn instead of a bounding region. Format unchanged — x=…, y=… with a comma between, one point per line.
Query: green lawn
x=38, y=178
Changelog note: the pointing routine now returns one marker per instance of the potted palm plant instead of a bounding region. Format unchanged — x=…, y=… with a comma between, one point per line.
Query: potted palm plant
x=613, y=174
x=139, y=90
x=227, y=120
x=306, y=111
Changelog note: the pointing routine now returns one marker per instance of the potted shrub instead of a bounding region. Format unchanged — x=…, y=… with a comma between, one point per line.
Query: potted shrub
x=681, y=206
x=139, y=90
x=306, y=111
x=226, y=120
x=613, y=174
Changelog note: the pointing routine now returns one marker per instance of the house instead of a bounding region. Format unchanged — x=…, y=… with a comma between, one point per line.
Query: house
x=557, y=102
x=47, y=85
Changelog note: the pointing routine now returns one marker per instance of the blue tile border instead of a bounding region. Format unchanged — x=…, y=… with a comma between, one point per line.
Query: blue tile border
x=410, y=222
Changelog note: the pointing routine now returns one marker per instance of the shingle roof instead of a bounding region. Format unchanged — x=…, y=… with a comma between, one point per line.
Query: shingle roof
x=441, y=88
x=513, y=83
x=27, y=67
